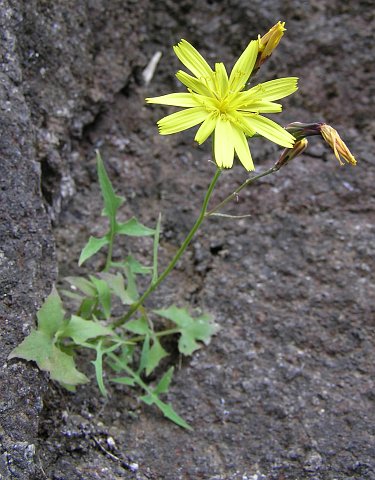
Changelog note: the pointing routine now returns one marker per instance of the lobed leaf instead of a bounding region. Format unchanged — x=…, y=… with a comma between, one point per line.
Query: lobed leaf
x=191, y=329
x=139, y=326
x=39, y=347
x=81, y=330
x=51, y=314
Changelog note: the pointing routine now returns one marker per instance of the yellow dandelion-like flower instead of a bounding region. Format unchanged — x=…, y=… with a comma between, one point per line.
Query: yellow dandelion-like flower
x=223, y=108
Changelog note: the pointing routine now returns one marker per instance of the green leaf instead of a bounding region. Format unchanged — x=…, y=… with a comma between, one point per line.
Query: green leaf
x=104, y=294
x=51, y=314
x=139, y=326
x=124, y=380
x=133, y=228
x=69, y=294
x=117, y=285
x=39, y=347
x=155, y=354
x=62, y=368
x=92, y=246
x=98, y=364
x=111, y=200
x=191, y=329
x=136, y=267
x=82, y=284
x=131, y=289
x=87, y=307
x=163, y=385
x=81, y=330
x=167, y=410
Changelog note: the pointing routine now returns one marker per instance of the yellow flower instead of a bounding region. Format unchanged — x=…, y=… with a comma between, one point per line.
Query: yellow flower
x=221, y=105
x=332, y=137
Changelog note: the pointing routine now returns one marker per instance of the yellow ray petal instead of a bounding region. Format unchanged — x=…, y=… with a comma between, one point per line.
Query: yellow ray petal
x=206, y=129
x=175, y=99
x=223, y=143
x=274, y=89
x=221, y=80
x=192, y=59
x=243, y=67
x=192, y=83
x=271, y=130
x=241, y=148
x=176, y=122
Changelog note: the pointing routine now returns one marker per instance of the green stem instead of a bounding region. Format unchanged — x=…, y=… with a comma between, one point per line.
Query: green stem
x=163, y=333
x=178, y=255
x=112, y=234
x=241, y=187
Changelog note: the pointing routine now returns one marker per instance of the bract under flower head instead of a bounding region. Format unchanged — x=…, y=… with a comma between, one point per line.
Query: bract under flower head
x=221, y=105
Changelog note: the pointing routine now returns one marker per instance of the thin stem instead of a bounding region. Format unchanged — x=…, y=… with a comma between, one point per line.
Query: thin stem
x=241, y=187
x=178, y=255
x=112, y=234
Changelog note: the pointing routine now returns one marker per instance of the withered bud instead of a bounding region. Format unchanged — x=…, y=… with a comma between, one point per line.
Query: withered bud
x=339, y=148
x=289, y=153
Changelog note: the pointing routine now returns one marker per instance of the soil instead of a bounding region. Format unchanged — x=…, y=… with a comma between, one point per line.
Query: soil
x=285, y=390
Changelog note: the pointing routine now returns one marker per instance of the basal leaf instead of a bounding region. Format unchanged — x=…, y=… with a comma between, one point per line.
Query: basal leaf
x=92, y=246
x=51, y=314
x=133, y=228
x=81, y=330
x=35, y=347
x=39, y=347
x=111, y=200
x=62, y=368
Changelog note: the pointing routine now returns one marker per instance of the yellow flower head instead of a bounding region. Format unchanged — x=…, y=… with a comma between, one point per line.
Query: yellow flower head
x=332, y=137
x=221, y=105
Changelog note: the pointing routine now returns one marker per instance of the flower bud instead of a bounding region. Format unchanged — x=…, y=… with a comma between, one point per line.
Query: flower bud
x=268, y=43
x=339, y=148
x=289, y=153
